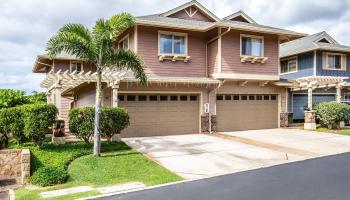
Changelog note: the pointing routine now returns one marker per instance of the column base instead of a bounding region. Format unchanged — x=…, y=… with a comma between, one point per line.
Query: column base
x=58, y=140
x=310, y=126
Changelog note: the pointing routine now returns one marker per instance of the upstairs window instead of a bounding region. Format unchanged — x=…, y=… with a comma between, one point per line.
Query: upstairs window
x=124, y=43
x=252, y=46
x=289, y=65
x=76, y=66
x=333, y=61
x=172, y=43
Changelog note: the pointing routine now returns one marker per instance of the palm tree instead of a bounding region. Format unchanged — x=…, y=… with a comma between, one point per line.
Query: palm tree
x=98, y=47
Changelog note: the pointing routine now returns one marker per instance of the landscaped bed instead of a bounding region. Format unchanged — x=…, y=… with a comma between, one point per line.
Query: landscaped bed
x=117, y=164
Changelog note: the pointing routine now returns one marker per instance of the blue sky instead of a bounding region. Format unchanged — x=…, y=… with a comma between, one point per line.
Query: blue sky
x=26, y=25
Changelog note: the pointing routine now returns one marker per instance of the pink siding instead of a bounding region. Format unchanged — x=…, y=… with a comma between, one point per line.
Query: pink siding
x=213, y=57
x=85, y=96
x=64, y=65
x=148, y=50
x=231, y=55
x=199, y=16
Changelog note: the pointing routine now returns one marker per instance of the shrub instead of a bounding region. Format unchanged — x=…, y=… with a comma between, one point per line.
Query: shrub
x=81, y=122
x=49, y=175
x=11, y=98
x=12, y=124
x=37, y=120
x=113, y=121
x=36, y=97
x=331, y=113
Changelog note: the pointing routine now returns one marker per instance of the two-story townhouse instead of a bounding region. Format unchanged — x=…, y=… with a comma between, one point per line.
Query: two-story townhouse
x=318, y=64
x=204, y=74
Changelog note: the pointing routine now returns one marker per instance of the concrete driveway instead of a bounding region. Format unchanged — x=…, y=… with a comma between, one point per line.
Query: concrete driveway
x=199, y=155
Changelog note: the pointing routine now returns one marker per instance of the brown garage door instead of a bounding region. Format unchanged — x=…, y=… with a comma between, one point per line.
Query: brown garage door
x=161, y=114
x=246, y=112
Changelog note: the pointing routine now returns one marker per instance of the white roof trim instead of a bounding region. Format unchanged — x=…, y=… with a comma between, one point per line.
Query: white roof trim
x=326, y=36
x=242, y=14
x=192, y=3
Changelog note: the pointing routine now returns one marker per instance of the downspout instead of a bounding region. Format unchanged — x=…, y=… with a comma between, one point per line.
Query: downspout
x=209, y=114
x=206, y=48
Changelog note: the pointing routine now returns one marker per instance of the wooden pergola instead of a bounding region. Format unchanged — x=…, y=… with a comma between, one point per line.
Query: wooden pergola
x=313, y=82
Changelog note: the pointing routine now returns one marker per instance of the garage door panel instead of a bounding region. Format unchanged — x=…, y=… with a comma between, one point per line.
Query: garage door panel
x=246, y=114
x=161, y=117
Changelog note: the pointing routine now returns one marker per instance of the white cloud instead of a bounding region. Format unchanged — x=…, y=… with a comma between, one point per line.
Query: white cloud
x=27, y=25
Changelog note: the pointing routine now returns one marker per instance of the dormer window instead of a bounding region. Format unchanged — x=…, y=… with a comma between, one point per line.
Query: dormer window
x=76, y=66
x=124, y=43
x=289, y=65
x=171, y=43
x=334, y=61
x=252, y=46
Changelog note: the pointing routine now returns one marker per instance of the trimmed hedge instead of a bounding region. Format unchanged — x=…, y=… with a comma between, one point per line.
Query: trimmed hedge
x=12, y=124
x=81, y=122
x=49, y=175
x=113, y=121
x=331, y=113
x=37, y=120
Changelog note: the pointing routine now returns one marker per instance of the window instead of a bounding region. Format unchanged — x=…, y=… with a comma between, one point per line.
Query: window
x=266, y=97
x=120, y=97
x=252, y=46
x=193, y=98
x=251, y=97
x=76, y=66
x=172, y=43
x=228, y=97
x=334, y=61
x=219, y=97
x=173, y=98
x=244, y=97
x=289, y=65
x=347, y=97
x=131, y=98
x=183, y=98
x=273, y=97
x=163, y=98
x=235, y=97
x=153, y=98
x=259, y=97
x=124, y=43
x=142, y=98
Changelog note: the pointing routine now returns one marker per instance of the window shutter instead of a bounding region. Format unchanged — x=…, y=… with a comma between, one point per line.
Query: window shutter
x=343, y=62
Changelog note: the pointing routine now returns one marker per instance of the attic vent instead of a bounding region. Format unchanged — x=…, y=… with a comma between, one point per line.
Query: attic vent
x=240, y=18
x=324, y=40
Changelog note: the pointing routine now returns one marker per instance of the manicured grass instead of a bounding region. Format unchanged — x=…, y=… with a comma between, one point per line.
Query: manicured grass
x=344, y=132
x=341, y=131
x=118, y=167
x=117, y=164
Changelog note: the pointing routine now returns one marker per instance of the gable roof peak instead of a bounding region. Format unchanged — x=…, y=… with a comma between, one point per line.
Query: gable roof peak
x=242, y=14
x=203, y=9
x=325, y=36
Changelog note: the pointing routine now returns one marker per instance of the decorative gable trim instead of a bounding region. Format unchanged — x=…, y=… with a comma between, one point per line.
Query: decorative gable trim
x=240, y=14
x=190, y=4
x=325, y=36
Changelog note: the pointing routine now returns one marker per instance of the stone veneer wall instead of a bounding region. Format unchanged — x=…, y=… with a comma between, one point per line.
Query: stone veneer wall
x=205, y=123
x=15, y=164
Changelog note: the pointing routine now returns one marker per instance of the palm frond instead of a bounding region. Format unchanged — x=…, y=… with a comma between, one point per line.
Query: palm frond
x=120, y=23
x=129, y=60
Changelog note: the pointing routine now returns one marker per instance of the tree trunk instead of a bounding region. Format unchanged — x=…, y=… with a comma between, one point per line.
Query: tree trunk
x=97, y=133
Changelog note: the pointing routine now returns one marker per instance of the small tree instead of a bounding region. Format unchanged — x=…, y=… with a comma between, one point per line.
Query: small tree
x=114, y=120
x=36, y=97
x=331, y=113
x=37, y=120
x=12, y=124
x=81, y=122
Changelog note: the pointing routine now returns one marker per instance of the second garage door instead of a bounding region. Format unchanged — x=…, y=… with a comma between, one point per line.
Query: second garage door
x=246, y=112
x=161, y=114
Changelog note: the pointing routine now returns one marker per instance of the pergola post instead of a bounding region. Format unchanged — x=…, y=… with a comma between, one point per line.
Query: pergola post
x=115, y=88
x=309, y=115
x=338, y=93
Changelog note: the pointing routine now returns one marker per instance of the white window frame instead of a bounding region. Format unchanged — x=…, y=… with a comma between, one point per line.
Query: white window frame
x=254, y=37
x=289, y=59
x=343, y=61
x=173, y=34
x=73, y=62
x=125, y=38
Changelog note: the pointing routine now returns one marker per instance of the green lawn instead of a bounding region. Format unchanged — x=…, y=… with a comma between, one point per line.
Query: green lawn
x=117, y=164
x=341, y=131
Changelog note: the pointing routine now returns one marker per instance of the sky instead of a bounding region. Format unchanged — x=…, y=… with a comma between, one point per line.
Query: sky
x=26, y=25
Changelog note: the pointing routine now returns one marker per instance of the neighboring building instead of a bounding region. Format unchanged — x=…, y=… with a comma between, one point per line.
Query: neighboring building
x=198, y=67
x=320, y=60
